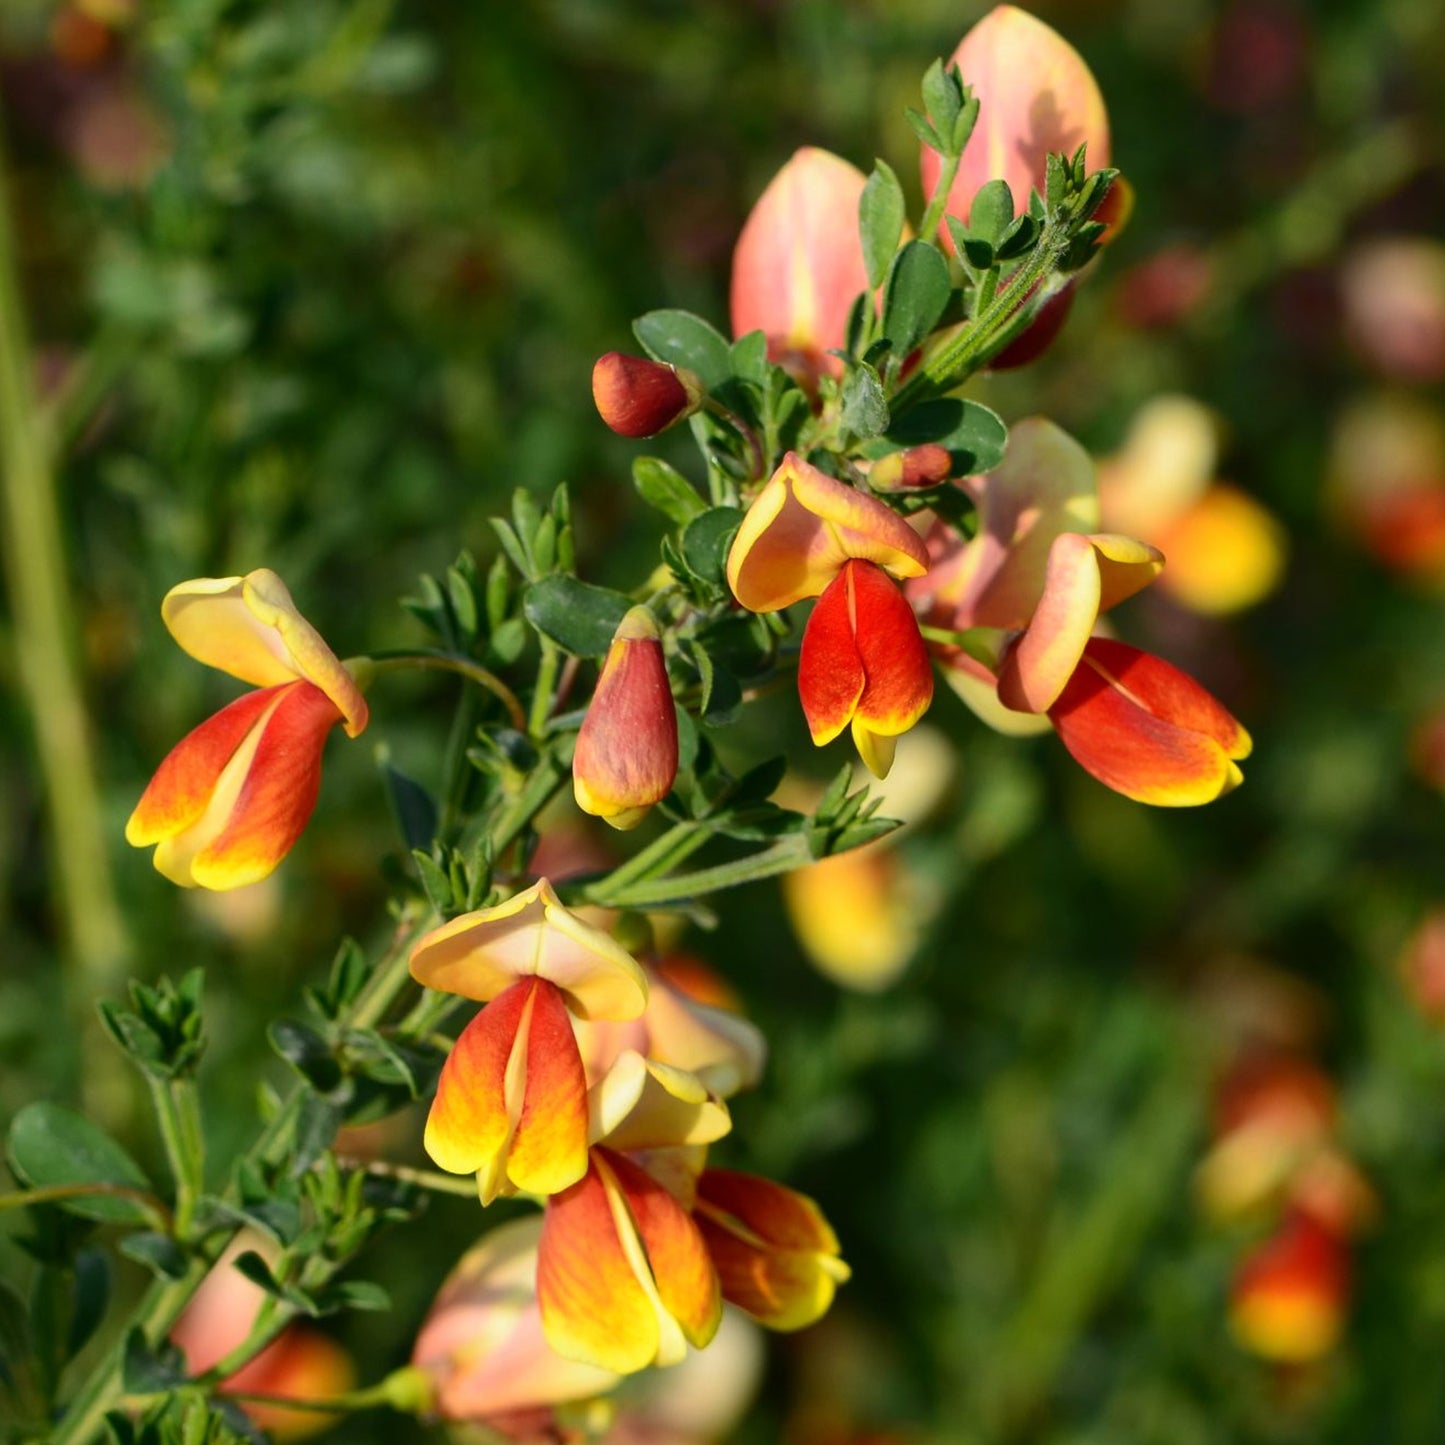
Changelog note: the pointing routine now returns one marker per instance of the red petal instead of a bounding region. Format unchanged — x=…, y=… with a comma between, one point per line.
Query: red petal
x=549, y=1150
x=278, y=795
x=1146, y=730
x=830, y=671
x=899, y=684
x=178, y=793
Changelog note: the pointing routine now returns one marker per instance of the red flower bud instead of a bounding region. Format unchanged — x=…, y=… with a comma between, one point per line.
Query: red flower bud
x=639, y=398
x=626, y=755
x=921, y=466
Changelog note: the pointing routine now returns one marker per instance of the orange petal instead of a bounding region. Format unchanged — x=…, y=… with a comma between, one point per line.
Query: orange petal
x=798, y=265
x=549, y=1149
x=687, y=1283
x=1084, y=577
x=1147, y=730
x=594, y=1307
x=1288, y=1299
x=474, y=1113
x=277, y=795
x=178, y=794
x=775, y=1253
x=1225, y=553
x=800, y=530
x=626, y=754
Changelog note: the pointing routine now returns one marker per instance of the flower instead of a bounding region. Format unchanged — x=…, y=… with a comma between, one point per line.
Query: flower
x=863, y=664
x=639, y=398
x=511, y=1102
x=231, y=798
x=798, y=265
x=776, y=1256
x=1031, y=586
x=800, y=530
x=1288, y=1299
x=1147, y=730
x=624, y=1279
x=626, y=754
x=482, y=1343
x=1036, y=96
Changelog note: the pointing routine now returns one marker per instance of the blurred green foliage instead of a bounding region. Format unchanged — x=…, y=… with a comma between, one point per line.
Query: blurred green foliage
x=322, y=281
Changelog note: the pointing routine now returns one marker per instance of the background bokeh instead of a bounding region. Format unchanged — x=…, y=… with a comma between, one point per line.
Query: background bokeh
x=315, y=284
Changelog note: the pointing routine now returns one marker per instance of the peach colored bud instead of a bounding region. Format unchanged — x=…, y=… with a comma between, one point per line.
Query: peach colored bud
x=1393, y=289
x=798, y=266
x=639, y=398
x=1036, y=96
x=626, y=754
x=924, y=466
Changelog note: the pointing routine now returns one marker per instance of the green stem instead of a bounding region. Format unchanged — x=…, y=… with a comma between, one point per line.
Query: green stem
x=679, y=842
x=542, y=697
x=160, y=1216
x=437, y=1183
x=443, y=662
x=41, y=606
x=939, y=199
x=178, y=1113
x=163, y=1302
x=408, y=1389
x=780, y=858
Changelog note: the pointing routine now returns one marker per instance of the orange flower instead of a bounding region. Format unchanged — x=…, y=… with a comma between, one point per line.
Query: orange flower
x=626, y=754
x=863, y=664
x=511, y=1103
x=623, y=1277
x=231, y=798
x=776, y=1255
x=798, y=266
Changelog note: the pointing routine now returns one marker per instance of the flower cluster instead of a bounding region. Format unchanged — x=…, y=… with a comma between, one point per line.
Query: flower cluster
x=595, y=1085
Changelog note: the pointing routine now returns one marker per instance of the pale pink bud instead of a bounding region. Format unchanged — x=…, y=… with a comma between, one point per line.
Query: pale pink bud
x=626, y=755
x=639, y=398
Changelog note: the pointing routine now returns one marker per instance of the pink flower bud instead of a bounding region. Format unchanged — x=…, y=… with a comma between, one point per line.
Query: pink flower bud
x=626, y=755
x=639, y=398
x=922, y=466
x=1036, y=96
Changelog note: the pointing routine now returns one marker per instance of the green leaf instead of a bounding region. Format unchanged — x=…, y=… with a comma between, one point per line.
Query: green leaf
x=145, y=1371
x=308, y=1053
x=992, y=211
x=358, y=1294
x=580, y=618
x=915, y=296
x=1018, y=238
x=682, y=339
x=88, y=1301
x=942, y=96
x=666, y=489
x=51, y=1145
x=158, y=1252
x=706, y=540
x=750, y=358
x=920, y=127
x=975, y=436
x=865, y=408
x=881, y=212
x=416, y=813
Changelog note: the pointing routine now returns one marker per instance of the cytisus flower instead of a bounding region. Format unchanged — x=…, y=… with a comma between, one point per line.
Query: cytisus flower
x=231, y=798
x=623, y=1276
x=775, y=1253
x=626, y=754
x=798, y=266
x=1289, y=1296
x=511, y=1103
x=863, y=665
x=637, y=397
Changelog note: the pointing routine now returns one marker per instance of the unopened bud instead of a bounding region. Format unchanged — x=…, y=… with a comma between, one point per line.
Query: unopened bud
x=626, y=755
x=639, y=398
x=918, y=467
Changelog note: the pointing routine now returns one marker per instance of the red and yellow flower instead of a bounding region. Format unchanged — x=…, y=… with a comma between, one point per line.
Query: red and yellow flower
x=1289, y=1296
x=511, y=1103
x=1031, y=587
x=863, y=661
x=231, y=798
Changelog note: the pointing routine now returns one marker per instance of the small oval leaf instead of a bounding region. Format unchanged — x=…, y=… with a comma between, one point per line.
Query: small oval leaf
x=52, y=1145
x=577, y=616
x=682, y=339
x=706, y=541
